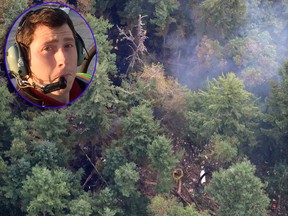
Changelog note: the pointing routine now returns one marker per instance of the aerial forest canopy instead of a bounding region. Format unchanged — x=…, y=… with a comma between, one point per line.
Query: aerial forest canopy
x=187, y=114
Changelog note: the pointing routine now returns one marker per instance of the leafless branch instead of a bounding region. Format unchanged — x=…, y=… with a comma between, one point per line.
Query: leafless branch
x=137, y=42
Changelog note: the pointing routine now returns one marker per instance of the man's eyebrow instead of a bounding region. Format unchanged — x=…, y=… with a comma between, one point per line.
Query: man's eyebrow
x=56, y=40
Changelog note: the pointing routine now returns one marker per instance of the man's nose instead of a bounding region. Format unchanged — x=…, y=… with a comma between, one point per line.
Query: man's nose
x=61, y=57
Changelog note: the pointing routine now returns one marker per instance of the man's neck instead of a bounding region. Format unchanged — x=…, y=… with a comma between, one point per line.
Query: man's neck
x=63, y=98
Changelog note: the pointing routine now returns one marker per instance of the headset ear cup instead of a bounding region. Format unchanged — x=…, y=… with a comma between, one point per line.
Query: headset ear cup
x=80, y=49
x=16, y=62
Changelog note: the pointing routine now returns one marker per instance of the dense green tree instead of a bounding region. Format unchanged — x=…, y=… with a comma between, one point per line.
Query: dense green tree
x=167, y=206
x=12, y=184
x=3, y=172
x=278, y=113
x=5, y=110
x=163, y=17
x=126, y=177
x=255, y=55
x=225, y=16
x=135, y=205
x=132, y=10
x=140, y=129
x=9, y=11
x=105, y=202
x=50, y=125
x=238, y=191
x=5, y=116
x=100, y=27
x=185, y=211
x=162, y=160
x=225, y=148
x=48, y=154
x=91, y=110
x=45, y=192
x=277, y=183
x=160, y=154
x=225, y=108
x=80, y=206
x=160, y=205
x=114, y=158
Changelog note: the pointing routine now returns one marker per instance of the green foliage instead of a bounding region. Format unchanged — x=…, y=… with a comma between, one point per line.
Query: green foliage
x=238, y=191
x=45, y=192
x=168, y=206
x=115, y=157
x=225, y=108
x=50, y=125
x=278, y=181
x=165, y=182
x=161, y=155
x=5, y=110
x=13, y=181
x=225, y=16
x=132, y=10
x=126, y=177
x=277, y=114
x=18, y=149
x=100, y=28
x=140, y=129
x=225, y=148
x=135, y=205
x=9, y=11
x=91, y=110
x=255, y=55
x=80, y=206
x=185, y=211
x=48, y=154
x=209, y=56
x=163, y=14
x=104, y=203
x=160, y=205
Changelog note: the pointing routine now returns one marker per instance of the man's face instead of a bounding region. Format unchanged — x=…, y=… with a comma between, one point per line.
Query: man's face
x=53, y=54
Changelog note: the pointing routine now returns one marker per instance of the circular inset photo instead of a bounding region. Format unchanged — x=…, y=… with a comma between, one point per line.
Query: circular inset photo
x=51, y=55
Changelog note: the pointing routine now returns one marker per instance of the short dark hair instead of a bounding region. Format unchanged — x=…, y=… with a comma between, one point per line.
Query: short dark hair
x=50, y=17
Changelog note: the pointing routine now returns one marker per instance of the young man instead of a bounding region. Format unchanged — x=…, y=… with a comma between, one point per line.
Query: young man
x=50, y=47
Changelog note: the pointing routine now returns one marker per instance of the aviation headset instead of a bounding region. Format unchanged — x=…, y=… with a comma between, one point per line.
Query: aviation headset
x=17, y=58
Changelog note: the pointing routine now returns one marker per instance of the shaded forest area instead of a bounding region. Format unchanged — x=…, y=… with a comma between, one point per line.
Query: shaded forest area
x=187, y=114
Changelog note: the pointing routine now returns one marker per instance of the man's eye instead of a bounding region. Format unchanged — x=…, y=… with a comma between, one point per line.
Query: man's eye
x=69, y=45
x=47, y=48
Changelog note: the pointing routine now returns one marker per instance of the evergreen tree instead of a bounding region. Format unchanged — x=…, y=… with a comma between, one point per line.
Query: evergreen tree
x=50, y=125
x=163, y=17
x=223, y=16
x=278, y=113
x=45, y=192
x=278, y=184
x=161, y=206
x=225, y=108
x=5, y=117
x=91, y=110
x=161, y=155
x=238, y=191
x=225, y=148
x=9, y=11
x=126, y=177
x=48, y=192
x=140, y=129
x=115, y=157
x=105, y=202
x=80, y=206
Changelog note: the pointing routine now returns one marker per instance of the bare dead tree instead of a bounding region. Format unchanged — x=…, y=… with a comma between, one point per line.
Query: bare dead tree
x=137, y=42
